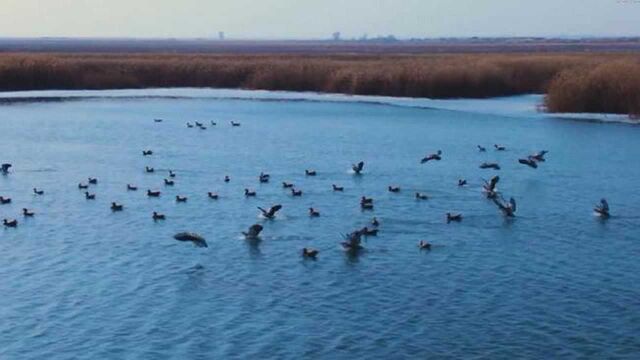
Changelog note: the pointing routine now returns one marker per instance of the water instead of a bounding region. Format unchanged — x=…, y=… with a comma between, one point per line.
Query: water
x=80, y=282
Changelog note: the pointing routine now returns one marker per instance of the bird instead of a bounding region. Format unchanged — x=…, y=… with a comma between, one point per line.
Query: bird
x=529, y=162
x=423, y=245
x=264, y=178
x=227, y=178
x=89, y=196
x=375, y=222
x=157, y=120
x=353, y=242
x=168, y=182
x=602, y=209
x=5, y=168
x=486, y=165
x=202, y=127
x=253, y=232
x=357, y=168
x=172, y=174
x=287, y=185
x=38, y=192
x=4, y=200
x=233, y=123
x=393, y=189
x=194, y=238
x=539, y=156
x=10, y=223
x=365, y=200
x=189, y=125
x=420, y=196
x=313, y=212
x=213, y=123
x=153, y=193
x=462, y=182
x=156, y=216
x=147, y=152
x=490, y=186
x=337, y=188
x=212, y=195
x=507, y=208
x=116, y=207
x=481, y=148
x=310, y=172
x=499, y=147
x=83, y=186
x=149, y=169
x=271, y=212
x=181, y=199
x=92, y=181
x=198, y=124
x=248, y=193
x=309, y=253
x=453, y=217
x=295, y=192
x=437, y=156
x=132, y=187
x=27, y=213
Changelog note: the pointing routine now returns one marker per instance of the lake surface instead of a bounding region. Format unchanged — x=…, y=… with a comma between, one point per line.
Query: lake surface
x=80, y=282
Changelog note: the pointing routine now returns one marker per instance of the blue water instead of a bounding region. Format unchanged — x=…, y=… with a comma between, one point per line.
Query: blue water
x=80, y=282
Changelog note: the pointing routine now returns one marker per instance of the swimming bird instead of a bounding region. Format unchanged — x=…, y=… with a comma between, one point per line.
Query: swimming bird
x=337, y=188
x=420, y=196
x=365, y=200
x=462, y=182
x=529, y=162
x=5, y=168
x=38, y=192
x=481, y=148
x=4, y=200
x=602, y=209
x=454, y=217
x=437, y=156
x=198, y=124
x=309, y=253
x=233, y=123
x=271, y=213
x=295, y=192
x=310, y=172
x=313, y=212
x=375, y=222
x=189, y=125
x=10, y=223
x=153, y=193
x=92, y=181
x=423, y=245
x=82, y=186
x=116, y=207
x=156, y=216
x=27, y=213
x=264, y=178
x=507, y=208
x=172, y=174
x=539, y=156
x=357, y=168
x=196, y=239
x=253, y=232
x=212, y=195
x=213, y=123
x=248, y=193
x=489, y=187
x=147, y=152
x=89, y=196
x=393, y=189
x=227, y=178
x=202, y=127
x=157, y=120
x=353, y=242
x=287, y=185
x=149, y=169
x=499, y=147
x=181, y=199
x=486, y=165
x=132, y=187
x=168, y=182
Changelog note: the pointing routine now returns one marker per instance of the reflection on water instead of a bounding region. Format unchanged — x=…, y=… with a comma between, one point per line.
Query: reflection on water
x=80, y=281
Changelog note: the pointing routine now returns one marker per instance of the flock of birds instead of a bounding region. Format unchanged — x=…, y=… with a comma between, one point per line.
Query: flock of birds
x=353, y=240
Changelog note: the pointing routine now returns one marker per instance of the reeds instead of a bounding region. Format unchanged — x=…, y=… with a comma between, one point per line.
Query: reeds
x=584, y=82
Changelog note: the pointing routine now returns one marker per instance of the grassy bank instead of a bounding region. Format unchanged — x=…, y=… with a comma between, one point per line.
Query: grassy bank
x=575, y=82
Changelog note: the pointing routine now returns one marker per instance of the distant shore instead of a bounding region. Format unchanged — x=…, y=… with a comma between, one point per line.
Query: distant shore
x=573, y=82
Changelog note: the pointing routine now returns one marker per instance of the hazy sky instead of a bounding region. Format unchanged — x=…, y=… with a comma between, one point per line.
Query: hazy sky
x=318, y=18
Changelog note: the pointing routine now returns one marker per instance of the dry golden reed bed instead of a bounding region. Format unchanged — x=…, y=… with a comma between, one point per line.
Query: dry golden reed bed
x=580, y=82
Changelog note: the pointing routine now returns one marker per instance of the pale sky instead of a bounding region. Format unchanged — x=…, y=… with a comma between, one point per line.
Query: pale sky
x=302, y=19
